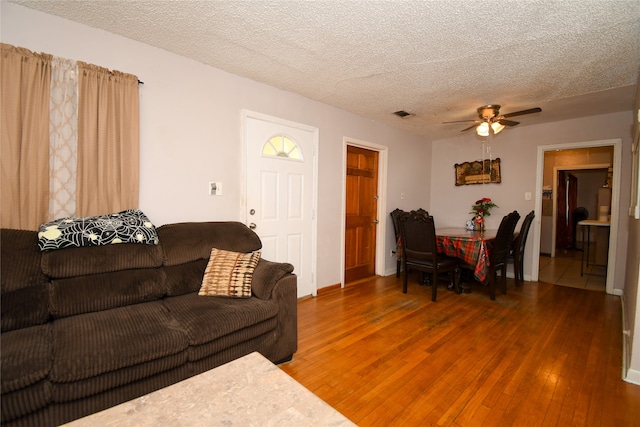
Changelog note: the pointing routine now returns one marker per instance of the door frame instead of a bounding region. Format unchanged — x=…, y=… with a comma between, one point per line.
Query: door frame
x=246, y=114
x=615, y=204
x=382, y=203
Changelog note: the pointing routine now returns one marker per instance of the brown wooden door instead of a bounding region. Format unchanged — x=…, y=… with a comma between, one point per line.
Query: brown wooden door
x=362, y=216
x=567, y=192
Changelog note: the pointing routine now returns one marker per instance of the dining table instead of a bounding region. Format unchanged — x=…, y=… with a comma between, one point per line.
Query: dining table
x=470, y=246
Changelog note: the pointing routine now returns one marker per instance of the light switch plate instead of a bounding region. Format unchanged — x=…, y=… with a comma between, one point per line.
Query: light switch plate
x=215, y=189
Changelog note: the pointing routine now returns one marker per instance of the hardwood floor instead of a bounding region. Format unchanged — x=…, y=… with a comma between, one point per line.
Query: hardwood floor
x=542, y=355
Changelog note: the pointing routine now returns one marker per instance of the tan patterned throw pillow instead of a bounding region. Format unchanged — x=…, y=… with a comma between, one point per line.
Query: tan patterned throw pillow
x=229, y=274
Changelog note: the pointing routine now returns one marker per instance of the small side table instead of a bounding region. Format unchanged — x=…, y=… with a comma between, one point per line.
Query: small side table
x=587, y=224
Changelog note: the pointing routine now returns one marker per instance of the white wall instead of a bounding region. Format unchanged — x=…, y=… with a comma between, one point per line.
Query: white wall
x=632, y=282
x=632, y=299
x=191, y=131
x=517, y=149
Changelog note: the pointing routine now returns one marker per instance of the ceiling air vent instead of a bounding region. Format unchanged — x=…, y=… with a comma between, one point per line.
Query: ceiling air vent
x=402, y=114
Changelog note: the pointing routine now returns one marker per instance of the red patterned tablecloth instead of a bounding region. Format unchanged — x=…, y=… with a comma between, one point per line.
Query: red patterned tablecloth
x=468, y=246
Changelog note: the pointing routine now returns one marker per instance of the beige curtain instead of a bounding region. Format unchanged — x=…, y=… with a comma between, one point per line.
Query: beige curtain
x=24, y=106
x=108, y=141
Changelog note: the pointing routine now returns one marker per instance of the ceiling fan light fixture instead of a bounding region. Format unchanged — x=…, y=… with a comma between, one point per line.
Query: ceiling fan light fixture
x=497, y=127
x=483, y=129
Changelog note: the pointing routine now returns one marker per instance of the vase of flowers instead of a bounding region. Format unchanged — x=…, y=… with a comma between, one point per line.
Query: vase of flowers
x=481, y=209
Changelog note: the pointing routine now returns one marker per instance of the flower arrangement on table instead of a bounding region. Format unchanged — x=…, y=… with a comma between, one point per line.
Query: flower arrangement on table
x=481, y=209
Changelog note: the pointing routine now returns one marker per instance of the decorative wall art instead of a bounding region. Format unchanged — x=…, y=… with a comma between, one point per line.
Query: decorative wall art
x=478, y=172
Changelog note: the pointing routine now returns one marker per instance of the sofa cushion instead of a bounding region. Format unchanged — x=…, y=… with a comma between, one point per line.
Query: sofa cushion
x=116, y=379
x=191, y=241
x=19, y=260
x=26, y=361
x=72, y=262
x=130, y=226
x=26, y=357
x=92, y=344
x=265, y=276
x=25, y=295
x=185, y=278
x=85, y=294
x=207, y=319
x=25, y=307
x=229, y=274
x=28, y=405
x=68, y=410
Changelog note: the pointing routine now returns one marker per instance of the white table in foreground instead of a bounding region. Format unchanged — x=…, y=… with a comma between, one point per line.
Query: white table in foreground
x=250, y=391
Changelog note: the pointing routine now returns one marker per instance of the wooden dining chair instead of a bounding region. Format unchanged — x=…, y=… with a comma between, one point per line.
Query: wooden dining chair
x=420, y=251
x=517, y=251
x=499, y=252
x=395, y=215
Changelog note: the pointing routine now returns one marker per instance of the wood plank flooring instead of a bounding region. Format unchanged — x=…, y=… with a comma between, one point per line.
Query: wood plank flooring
x=542, y=355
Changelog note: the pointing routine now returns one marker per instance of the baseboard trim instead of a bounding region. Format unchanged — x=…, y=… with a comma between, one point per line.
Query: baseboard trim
x=329, y=288
x=633, y=377
x=629, y=375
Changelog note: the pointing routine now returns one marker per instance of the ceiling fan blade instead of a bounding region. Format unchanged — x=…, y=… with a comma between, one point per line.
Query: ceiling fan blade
x=519, y=113
x=462, y=121
x=507, y=122
x=470, y=127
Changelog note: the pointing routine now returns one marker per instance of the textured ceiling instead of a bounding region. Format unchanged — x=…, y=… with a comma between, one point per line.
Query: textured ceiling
x=437, y=60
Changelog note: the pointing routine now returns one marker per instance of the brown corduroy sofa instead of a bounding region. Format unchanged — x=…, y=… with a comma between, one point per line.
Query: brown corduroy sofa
x=87, y=328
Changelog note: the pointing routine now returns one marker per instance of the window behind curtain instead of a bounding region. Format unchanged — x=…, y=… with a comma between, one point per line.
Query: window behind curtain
x=63, y=138
x=38, y=127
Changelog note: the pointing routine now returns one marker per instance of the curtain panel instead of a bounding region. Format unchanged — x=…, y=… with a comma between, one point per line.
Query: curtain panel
x=108, y=140
x=25, y=82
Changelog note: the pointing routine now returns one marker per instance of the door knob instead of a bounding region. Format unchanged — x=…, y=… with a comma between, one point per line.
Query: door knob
x=252, y=225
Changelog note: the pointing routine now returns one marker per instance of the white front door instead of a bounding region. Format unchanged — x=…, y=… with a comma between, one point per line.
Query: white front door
x=280, y=193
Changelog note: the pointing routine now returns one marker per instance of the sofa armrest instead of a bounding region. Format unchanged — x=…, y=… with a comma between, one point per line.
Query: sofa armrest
x=285, y=294
x=266, y=275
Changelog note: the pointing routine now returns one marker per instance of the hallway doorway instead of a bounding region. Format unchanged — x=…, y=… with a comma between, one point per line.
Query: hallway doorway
x=546, y=206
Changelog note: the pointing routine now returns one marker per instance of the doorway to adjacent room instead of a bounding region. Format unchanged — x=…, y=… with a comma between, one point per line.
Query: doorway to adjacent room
x=588, y=167
x=361, y=219
x=576, y=199
x=364, y=210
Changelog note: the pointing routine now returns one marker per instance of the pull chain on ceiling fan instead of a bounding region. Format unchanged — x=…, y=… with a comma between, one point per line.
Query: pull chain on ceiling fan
x=491, y=121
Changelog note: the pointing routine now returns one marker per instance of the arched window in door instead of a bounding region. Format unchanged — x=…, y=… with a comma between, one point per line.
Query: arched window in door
x=282, y=146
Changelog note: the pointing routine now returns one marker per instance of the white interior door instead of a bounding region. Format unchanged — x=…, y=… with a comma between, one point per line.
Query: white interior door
x=280, y=194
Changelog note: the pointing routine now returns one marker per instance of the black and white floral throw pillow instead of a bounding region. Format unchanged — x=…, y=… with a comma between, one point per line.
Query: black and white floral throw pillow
x=130, y=226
